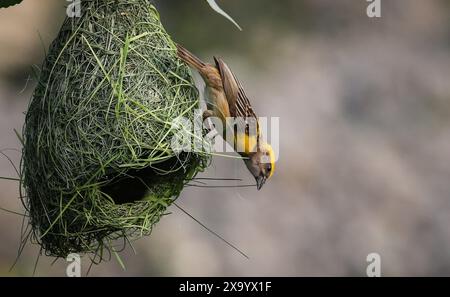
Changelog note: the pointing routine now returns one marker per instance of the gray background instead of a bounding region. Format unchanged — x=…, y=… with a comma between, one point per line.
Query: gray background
x=364, y=107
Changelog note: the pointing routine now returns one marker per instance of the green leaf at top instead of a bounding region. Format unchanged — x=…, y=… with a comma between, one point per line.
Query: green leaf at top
x=219, y=10
x=8, y=3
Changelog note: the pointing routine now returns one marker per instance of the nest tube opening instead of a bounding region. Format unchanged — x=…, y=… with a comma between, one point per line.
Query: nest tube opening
x=97, y=164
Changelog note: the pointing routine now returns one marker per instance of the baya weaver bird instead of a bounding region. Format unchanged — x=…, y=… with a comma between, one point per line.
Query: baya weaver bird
x=225, y=98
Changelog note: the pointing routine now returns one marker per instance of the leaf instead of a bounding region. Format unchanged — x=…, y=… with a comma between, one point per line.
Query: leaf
x=219, y=10
x=8, y=3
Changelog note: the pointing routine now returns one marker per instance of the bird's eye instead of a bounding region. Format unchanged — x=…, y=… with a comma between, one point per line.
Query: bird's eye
x=269, y=168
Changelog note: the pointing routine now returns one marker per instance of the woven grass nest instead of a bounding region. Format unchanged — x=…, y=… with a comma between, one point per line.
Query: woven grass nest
x=97, y=164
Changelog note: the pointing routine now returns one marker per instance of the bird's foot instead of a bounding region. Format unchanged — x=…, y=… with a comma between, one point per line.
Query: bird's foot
x=207, y=113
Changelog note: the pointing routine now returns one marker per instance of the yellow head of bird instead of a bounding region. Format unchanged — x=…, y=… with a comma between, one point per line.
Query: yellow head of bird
x=261, y=161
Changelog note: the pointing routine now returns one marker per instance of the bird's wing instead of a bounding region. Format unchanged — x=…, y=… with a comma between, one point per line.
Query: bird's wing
x=243, y=106
x=238, y=102
x=230, y=85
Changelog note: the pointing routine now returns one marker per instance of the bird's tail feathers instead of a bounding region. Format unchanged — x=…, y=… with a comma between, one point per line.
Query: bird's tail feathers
x=189, y=57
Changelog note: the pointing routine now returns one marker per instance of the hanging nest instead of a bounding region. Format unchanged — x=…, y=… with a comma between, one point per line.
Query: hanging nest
x=97, y=163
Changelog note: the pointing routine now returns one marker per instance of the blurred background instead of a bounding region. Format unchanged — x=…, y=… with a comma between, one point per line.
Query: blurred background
x=364, y=107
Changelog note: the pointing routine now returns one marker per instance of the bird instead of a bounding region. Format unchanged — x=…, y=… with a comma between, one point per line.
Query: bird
x=225, y=98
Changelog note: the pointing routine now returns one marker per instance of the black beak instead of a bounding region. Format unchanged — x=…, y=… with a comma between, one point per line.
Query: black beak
x=260, y=180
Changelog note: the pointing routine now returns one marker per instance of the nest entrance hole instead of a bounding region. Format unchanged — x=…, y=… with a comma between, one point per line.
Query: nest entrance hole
x=134, y=185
